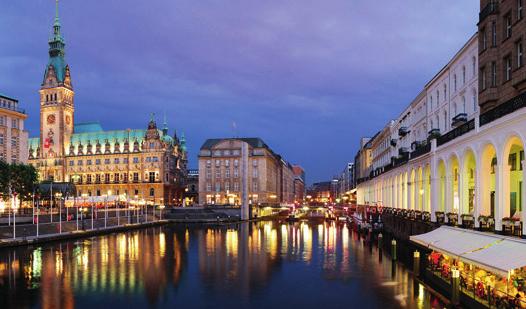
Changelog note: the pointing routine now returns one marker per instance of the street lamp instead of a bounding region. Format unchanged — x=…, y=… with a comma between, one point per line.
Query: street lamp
x=58, y=196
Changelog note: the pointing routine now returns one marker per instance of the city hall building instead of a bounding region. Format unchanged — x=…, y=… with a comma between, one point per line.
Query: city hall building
x=142, y=164
x=458, y=149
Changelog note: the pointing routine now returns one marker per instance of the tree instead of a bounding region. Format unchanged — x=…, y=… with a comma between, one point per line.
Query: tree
x=17, y=178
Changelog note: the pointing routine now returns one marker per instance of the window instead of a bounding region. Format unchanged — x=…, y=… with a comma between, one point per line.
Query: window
x=445, y=92
x=136, y=160
x=208, y=173
x=218, y=163
x=79, y=162
x=255, y=186
x=218, y=186
x=236, y=173
x=512, y=161
x=116, y=161
x=107, y=178
x=518, y=48
x=474, y=66
x=218, y=173
x=1, y=139
x=208, y=163
x=97, y=162
x=116, y=177
x=227, y=163
x=483, y=39
x=438, y=97
x=151, y=176
x=507, y=22
x=255, y=173
x=125, y=160
x=71, y=163
x=255, y=162
x=431, y=102
x=494, y=34
x=136, y=177
x=13, y=141
x=474, y=100
x=107, y=161
x=97, y=178
x=455, y=109
x=227, y=186
x=152, y=192
x=463, y=75
x=236, y=186
x=493, y=74
x=227, y=173
x=208, y=186
x=519, y=9
x=507, y=68
x=89, y=179
x=88, y=162
x=236, y=163
x=483, y=78
x=455, y=82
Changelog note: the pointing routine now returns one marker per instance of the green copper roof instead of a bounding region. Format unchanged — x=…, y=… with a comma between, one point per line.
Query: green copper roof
x=86, y=127
x=57, y=51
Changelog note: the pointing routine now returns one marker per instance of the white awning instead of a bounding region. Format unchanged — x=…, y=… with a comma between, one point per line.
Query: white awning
x=496, y=253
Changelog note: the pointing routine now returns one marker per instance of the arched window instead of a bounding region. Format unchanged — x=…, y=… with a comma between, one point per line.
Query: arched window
x=55, y=96
x=152, y=192
x=47, y=97
x=445, y=121
x=445, y=92
x=474, y=64
x=463, y=75
x=438, y=97
x=455, y=81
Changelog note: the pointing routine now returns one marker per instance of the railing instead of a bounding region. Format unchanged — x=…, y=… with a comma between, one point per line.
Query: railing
x=488, y=10
x=459, y=131
x=14, y=109
x=459, y=119
x=504, y=109
x=422, y=150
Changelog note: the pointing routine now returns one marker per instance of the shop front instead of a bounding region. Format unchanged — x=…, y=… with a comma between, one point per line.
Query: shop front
x=491, y=268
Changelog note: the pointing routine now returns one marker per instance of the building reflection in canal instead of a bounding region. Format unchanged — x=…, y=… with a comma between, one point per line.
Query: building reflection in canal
x=259, y=264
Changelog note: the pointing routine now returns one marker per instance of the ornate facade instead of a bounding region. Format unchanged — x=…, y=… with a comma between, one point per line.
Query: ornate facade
x=149, y=165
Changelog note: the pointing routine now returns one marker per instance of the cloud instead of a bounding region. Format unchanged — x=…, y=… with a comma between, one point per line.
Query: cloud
x=309, y=77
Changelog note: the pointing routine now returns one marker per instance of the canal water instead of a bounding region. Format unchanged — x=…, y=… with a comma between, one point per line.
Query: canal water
x=256, y=265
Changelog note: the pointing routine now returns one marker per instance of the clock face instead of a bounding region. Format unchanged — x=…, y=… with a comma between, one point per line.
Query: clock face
x=68, y=120
x=51, y=119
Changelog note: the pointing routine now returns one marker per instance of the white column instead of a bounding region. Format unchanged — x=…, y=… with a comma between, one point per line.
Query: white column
x=461, y=194
x=435, y=183
x=478, y=192
x=410, y=186
x=449, y=192
x=417, y=187
x=499, y=195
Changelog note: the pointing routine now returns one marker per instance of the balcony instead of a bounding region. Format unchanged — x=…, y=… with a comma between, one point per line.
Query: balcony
x=490, y=9
x=504, y=109
x=459, y=120
x=403, y=131
x=456, y=132
x=12, y=107
x=403, y=151
x=434, y=133
x=394, y=141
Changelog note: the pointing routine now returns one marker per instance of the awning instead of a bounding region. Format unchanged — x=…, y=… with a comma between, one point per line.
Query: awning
x=495, y=253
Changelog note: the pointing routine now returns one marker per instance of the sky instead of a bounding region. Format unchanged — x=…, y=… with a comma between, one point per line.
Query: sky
x=309, y=77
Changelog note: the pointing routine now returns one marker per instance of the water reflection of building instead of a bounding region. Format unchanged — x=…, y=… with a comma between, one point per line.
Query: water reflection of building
x=140, y=263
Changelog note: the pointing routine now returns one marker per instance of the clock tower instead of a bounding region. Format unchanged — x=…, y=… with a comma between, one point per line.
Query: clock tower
x=56, y=107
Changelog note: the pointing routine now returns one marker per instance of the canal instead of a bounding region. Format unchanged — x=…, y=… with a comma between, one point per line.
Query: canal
x=257, y=265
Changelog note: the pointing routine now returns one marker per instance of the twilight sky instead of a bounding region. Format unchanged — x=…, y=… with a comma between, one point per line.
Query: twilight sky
x=310, y=77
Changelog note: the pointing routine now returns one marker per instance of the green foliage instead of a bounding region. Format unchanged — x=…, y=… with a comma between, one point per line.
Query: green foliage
x=17, y=178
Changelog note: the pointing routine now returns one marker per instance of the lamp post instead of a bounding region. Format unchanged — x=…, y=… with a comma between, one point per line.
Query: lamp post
x=58, y=197
x=136, y=202
x=13, y=205
x=38, y=212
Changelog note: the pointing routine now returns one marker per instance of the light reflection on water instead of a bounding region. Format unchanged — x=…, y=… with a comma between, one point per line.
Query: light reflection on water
x=260, y=265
